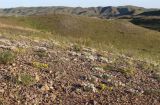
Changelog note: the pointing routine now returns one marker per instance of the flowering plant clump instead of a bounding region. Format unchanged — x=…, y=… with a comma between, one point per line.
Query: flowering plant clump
x=40, y=65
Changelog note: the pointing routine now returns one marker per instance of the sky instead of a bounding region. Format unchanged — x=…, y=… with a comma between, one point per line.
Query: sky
x=77, y=3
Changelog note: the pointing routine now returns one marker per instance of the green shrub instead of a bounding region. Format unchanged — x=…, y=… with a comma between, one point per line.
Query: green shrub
x=156, y=76
x=7, y=57
x=109, y=67
x=76, y=48
x=26, y=79
x=40, y=65
x=128, y=71
x=104, y=87
x=42, y=54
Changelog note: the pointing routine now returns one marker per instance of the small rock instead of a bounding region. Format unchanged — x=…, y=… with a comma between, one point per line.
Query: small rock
x=37, y=48
x=83, y=77
x=14, y=64
x=78, y=91
x=53, y=97
x=89, y=87
x=37, y=78
x=91, y=102
x=93, y=79
x=2, y=90
x=45, y=88
x=14, y=49
x=109, y=80
x=6, y=41
x=98, y=69
x=132, y=91
x=121, y=84
x=91, y=57
x=103, y=59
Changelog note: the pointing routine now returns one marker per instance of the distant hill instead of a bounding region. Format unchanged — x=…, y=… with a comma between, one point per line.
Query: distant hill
x=150, y=22
x=150, y=19
x=103, y=12
x=150, y=13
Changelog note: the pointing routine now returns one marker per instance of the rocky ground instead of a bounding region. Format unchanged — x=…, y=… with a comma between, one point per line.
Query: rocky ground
x=45, y=73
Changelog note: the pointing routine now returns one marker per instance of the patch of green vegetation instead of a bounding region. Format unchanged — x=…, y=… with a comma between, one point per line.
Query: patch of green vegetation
x=26, y=79
x=40, y=65
x=7, y=57
x=128, y=71
x=106, y=76
x=123, y=65
x=156, y=76
x=109, y=67
x=41, y=54
x=152, y=92
x=104, y=87
x=76, y=47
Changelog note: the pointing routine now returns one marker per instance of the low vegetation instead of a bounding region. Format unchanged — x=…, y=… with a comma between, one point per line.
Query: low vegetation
x=41, y=54
x=40, y=65
x=7, y=57
x=25, y=79
x=148, y=22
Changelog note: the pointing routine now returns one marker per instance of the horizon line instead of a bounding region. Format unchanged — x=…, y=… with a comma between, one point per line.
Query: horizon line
x=75, y=6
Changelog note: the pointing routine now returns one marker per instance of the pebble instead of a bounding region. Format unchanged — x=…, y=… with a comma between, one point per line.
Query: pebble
x=37, y=48
x=2, y=90
x=14, y=64
x=45, y=88
x=89, y=87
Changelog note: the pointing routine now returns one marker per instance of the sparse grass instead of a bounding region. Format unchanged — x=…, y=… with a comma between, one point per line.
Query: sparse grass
x=106, y=76
x=156, y=76
x=109, y=67
x=121, y=35
x=7, y=57
x=146, y=66
x=26, y=79
x=123, y=65
x=152, y=92
x=128, y=71
x=22, y=50
x=41, y=54
x=76, y=47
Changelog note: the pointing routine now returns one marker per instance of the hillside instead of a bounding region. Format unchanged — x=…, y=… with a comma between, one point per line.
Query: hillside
x=98, y=33
x=39, y=70
x=103, y=12
x=58, y=58
x=150, y=22
x=150, y=13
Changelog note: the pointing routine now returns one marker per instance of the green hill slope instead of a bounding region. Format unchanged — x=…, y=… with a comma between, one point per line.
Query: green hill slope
x=150, y=22
x=94, y=32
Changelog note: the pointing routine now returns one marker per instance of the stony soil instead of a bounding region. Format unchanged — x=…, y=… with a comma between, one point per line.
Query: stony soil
x=44, y=73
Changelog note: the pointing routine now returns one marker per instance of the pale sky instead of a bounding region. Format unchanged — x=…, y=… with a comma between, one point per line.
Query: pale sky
x=76, y=3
